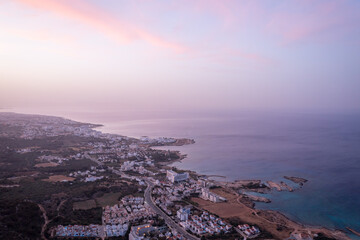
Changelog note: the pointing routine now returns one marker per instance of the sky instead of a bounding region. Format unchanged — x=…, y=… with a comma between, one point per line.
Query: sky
x=299, y=55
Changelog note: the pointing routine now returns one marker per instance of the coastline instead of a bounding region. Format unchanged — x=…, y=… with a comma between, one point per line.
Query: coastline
x=353, y=231
x=280, y=218
x=273, y=222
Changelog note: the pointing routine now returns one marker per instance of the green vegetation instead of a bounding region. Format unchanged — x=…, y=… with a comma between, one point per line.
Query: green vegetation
x=64, y=203
x=20, y=220
x=39, y=190
x=163, y=156
x=13, y=162
x=107, y=199
x=68, y=216
x=252, y=185
x=71, y=166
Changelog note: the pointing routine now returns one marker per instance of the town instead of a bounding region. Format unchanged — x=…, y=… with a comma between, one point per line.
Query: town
x=161, y=205
x=134, y=214
x=101, y=185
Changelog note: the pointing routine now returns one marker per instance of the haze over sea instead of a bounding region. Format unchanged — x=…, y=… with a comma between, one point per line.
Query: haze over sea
x=325, y=149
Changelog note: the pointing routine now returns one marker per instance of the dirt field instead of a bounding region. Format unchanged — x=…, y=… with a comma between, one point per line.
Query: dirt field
x=273, y=222
x=84, y=205
x=233, y=209
x=50, y=164
x=108, y=199
x=59, y=178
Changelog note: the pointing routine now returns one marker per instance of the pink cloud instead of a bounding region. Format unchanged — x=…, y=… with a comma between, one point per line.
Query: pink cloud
x=310, y=20
x=64, y=42
x=92, y=16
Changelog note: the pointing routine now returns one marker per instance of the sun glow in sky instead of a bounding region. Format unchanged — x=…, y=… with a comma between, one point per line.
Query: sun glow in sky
x=270, y=54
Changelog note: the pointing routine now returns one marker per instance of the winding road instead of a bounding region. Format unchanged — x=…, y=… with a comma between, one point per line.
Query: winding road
x=46, y=221
x=170, y=222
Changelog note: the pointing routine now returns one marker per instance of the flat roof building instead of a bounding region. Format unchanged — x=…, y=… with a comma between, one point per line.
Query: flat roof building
x=176, y=177
x=207, y=195
x=139, y=232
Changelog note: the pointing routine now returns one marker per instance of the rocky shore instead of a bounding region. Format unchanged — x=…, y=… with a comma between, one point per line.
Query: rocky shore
x=239, y=208
x=297, y=180
x=182, y=141
x=257, y=198
x=353, y=231
x=280, y=186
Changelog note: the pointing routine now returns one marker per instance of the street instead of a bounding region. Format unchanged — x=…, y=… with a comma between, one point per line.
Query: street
x=171, y=223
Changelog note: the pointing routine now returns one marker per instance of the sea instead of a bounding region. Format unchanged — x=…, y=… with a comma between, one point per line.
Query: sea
x=322, y=148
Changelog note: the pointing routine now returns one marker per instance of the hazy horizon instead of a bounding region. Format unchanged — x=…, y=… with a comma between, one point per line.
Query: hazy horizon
x=296, y=56
x=265, y=91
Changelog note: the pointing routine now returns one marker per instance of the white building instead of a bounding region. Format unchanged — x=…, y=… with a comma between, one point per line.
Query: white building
x=176, y=177
x=183, y=214
x=92, y=178
x=207, y=195
x=116, y=230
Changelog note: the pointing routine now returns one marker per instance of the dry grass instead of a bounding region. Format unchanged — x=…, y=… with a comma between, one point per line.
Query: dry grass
x=50, y=164
x=108, y=199
x=59, y=178
x=84, y=205
x=234, y=209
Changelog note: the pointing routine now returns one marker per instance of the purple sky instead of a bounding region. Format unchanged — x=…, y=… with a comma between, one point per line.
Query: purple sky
x=275, y=55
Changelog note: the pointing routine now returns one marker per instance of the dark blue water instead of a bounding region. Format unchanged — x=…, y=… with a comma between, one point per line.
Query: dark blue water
x=325, y=149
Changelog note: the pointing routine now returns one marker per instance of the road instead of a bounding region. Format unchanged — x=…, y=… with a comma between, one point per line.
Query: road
x=46, y=221
x=93, y=159
x=241, y=233
x=170, y=222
